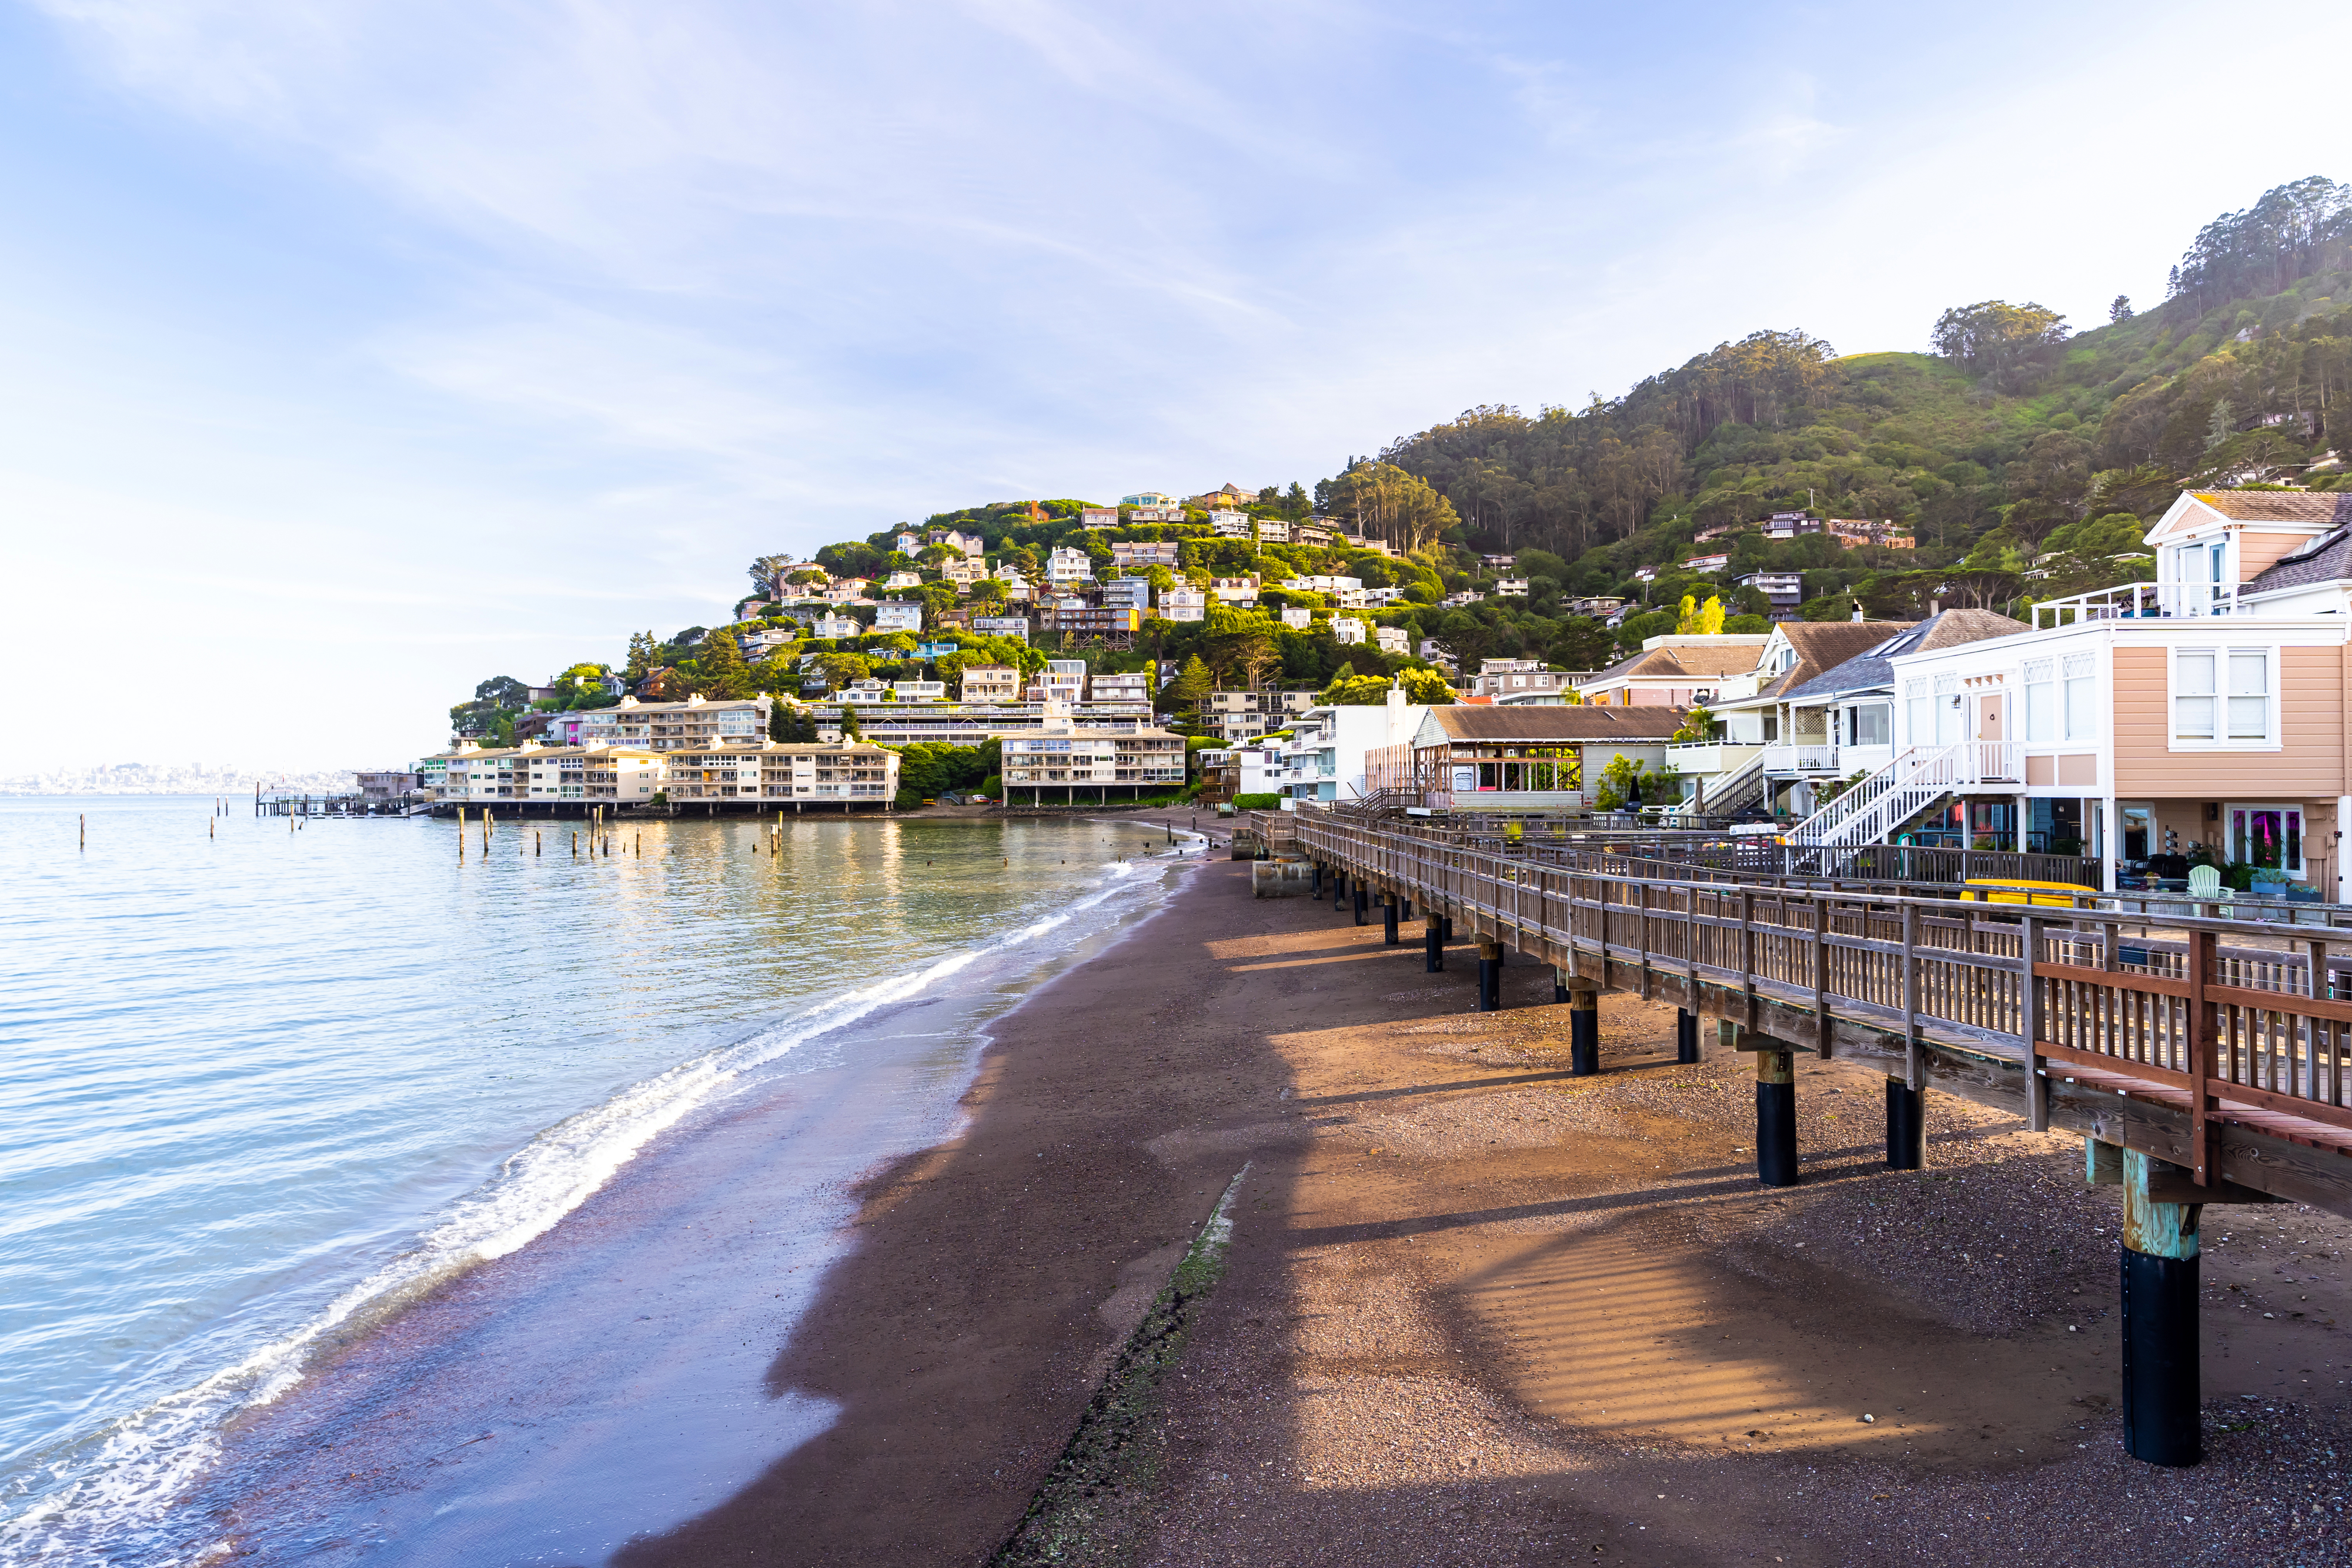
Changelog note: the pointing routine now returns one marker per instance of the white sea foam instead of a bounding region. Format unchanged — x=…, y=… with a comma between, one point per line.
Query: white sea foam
x=108, y=1505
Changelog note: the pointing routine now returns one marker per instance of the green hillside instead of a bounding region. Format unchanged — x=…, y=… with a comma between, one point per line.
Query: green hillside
x=2021, y=459
x=2019, y=440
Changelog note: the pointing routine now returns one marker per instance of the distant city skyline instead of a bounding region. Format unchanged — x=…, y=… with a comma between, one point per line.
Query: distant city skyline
x=363, y=352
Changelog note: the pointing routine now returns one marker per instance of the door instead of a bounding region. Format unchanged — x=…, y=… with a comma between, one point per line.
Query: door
x=1993, y=732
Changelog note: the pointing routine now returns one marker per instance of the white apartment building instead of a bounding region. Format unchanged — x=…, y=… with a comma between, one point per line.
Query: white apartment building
x=1063, y=759
x=896, y=616
x=1510, y=588
x=773, y=774
x=1347, y=629
x=1099, y=517
x=1323, y=584
x=1016, y=626
x=1329, y=743
x=831, y=625
x=1064, y=680
x=1392, y=639
x=1067, y=567
x=1273, y=531
x=902, y=579
x=1297, y=617
x=1183, y=604
x=674, y=726
x=1230, y=525
x=531, y=774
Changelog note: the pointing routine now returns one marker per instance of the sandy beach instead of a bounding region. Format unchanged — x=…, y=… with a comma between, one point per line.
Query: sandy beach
x=1479, y=1311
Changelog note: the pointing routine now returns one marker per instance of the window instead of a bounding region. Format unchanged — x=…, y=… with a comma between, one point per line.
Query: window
x=1873, y=725
x=2041, y=699
x=2082, y=713
x=1918, y=717
x=2270, y=836
x=2220, y=696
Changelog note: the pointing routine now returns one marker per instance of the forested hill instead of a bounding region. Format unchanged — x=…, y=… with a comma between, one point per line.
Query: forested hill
x=2018, y=438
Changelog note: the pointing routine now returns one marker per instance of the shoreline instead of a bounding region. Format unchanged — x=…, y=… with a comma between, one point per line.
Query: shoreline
x=585, y=1371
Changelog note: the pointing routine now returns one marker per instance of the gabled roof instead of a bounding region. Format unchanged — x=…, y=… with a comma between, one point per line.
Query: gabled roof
x=1699, y=660
x=1870, y=669
x=2327, y=559
x=1566, y=726
x=2328, y=506
x=1823, y=645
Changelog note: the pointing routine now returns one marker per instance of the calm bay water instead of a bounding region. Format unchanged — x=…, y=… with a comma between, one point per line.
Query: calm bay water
x=257, y=1090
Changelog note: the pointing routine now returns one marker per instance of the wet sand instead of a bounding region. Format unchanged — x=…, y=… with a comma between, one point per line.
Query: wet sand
x=1479, y=1311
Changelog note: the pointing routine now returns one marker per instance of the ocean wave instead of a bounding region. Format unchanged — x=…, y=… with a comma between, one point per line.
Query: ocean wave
x=107, y=1497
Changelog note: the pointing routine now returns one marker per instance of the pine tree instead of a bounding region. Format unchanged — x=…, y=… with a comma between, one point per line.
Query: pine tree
x=1191, y=685
x=719, y=670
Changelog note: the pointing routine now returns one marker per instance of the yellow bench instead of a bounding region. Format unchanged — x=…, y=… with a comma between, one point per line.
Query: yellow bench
x=1999, y=889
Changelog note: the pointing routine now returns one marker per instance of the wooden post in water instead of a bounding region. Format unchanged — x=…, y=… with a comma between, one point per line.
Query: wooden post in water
x=84, y=821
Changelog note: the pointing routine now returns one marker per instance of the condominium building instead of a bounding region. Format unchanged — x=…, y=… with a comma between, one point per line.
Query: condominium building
x=1130, y=688
x=1063, y=758
x=1066, y=567
x=1392, y=639
x=774, y=774
x=673, y=726
x=899, y=617
x=1230, y=525
x=531, y=774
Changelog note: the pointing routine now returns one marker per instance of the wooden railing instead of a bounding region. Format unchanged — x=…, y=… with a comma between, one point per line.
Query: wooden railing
x=2241, y=1025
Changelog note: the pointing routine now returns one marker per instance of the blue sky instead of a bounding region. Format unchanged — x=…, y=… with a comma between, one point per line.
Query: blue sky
x=356, y=350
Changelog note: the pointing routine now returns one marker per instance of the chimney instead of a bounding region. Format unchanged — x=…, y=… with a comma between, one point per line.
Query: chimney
x=1857, y=609
x=1934, y=607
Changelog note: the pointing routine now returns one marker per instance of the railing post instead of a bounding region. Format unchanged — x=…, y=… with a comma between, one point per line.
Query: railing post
x=2204, y=1031
x=2029, y=1008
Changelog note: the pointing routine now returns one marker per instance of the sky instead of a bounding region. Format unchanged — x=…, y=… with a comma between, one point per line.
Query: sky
x=352, y=351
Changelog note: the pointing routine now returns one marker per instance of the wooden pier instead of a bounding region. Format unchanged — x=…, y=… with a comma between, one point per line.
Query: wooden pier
x=2204, y=1058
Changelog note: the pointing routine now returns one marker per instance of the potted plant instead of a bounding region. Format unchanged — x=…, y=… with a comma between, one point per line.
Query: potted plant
x=2268, y=882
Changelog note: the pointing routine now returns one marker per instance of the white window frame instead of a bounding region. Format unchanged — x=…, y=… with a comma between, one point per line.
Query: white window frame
x=2222, y=653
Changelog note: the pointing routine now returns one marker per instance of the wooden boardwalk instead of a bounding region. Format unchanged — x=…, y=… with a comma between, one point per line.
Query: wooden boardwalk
x=2216, y=1045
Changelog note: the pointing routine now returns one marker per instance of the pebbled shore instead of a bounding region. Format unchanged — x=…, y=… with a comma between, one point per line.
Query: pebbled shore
x=1477, y=1311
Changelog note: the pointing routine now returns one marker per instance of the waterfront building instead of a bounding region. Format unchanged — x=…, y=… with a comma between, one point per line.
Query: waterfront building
x=845, y=774
x=1331, y=746
x=531, y=774
x=1476, y=757
x=1063, y=758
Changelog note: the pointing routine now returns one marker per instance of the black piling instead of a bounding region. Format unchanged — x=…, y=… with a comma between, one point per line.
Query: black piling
x=1363, y=902
x=1388, y=918
x=1315, y=888
x=1776, y=1116
x=1490, y=977
x=1584, y=1032
x=1906, y=1126
x=1686, y=1035
x=1449, y=931
x=1434, y=941
x=2162, y=1376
